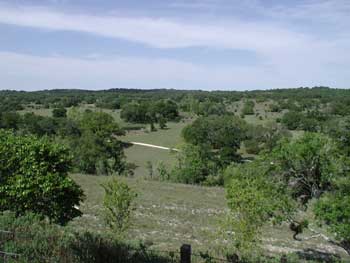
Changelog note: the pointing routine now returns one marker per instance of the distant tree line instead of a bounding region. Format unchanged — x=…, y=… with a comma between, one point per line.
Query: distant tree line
x=91, y=137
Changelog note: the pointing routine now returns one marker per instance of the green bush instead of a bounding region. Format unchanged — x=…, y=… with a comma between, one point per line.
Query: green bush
x=34, y=177
x=118, y=205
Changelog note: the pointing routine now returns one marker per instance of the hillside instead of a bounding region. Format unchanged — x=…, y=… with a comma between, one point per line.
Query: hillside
x=168, y=215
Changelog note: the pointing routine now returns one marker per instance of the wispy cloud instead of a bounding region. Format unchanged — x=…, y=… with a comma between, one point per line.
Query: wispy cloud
x=202, y=4
x=161, y=33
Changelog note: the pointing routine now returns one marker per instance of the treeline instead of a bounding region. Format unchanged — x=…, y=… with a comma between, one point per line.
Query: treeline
x=115, y=98
x=92, y=137
x=142, y=103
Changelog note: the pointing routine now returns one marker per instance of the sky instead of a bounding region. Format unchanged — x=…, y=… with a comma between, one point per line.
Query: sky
x=174, y=44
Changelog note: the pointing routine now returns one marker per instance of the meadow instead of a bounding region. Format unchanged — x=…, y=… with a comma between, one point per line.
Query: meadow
x=168, y=215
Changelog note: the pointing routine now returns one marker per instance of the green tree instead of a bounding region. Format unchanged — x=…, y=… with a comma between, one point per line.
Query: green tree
x=39, y=125
x=118, y=205
x=333, y=210
x=280, y=183
x=212, y=144
x=59, y=113
x=339, y=130
x=34, y=178
x=222, y=134
x=195, y=164
x=308, y=165
x=162, y=122
x=10, y=120
x=264, y=137
x=254, y=198
x=291, y=120
x=98, y=150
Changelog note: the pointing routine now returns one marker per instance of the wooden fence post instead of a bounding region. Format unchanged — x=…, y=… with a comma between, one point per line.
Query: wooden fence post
x=185, y=253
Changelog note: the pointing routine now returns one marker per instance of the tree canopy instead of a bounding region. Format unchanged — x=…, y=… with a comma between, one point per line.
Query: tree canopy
x=276, y=185
x=34, y=178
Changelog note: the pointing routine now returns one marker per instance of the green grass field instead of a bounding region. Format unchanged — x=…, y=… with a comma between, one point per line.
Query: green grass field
x=37, y=111
x=169, y=137
x=169, y=215
x=140, y=155
x=166, y=214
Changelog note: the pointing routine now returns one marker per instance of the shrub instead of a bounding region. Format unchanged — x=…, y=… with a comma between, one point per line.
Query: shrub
x=163, y=173
x=118, y=205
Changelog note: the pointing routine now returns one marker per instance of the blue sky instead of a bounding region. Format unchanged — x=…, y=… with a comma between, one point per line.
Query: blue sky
x=184, y=44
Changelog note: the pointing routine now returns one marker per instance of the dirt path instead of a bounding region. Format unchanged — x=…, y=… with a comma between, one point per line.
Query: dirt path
x=155, y=146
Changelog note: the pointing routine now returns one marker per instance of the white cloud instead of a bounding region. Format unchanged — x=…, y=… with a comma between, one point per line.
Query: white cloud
x=161, y=33
x=27, y=72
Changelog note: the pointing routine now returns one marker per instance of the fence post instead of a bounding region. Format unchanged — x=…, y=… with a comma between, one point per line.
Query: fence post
x=185, y=253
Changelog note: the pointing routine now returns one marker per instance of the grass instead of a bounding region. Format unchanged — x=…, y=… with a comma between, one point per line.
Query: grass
x=37, y=111
x=168, y=215
x=169, y=137
x=140, y=155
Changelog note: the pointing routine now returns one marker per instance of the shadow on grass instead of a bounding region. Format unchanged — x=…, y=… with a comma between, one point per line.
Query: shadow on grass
x=315, y=255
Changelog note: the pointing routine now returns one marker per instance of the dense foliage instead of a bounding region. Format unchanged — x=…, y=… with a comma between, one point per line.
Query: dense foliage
x=254, y=197
x=146, y=112
x=96, y=148
x=34, y=178
x=221, y=134
x=276, y=185
x=90, y=136
x=213, y=143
